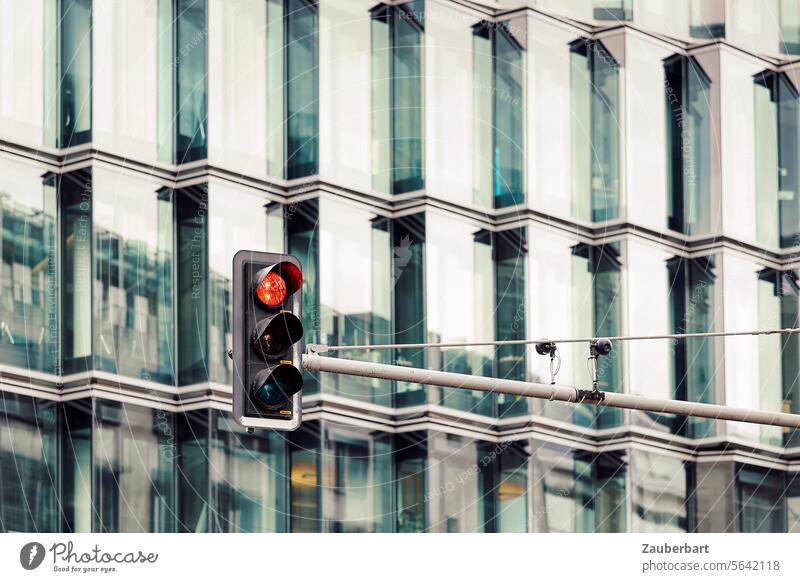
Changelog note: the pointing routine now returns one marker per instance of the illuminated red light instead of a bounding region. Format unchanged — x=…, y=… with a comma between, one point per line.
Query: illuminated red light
x=272, y=290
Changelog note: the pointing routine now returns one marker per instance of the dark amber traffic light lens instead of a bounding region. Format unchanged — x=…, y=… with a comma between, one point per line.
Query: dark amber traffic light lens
x=272, y=290
x=275, y=335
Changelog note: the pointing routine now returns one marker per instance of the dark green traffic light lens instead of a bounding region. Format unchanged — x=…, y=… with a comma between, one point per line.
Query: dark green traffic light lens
x=273, y=388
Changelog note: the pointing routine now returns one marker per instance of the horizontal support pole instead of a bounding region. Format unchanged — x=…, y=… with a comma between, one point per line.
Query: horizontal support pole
x=316, y=363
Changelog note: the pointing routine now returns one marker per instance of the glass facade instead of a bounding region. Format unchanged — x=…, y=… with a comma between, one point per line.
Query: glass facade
x=790, y=27
x=688, y=109
x=182, y=81
x=693, y=309
x=498, y=114
x=597, y=304
x=115, y=280
x=777, y=160
x=779, y=356
x=293, y=85
x=707, y=18
x=613, y=9
x=68, y=72
x=397, y=93
x=596, y=122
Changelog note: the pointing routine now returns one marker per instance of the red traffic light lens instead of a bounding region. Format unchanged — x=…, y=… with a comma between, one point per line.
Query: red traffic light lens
x=271, y=291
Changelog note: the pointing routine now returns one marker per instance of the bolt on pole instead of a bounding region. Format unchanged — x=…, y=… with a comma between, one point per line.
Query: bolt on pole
x=313, y=362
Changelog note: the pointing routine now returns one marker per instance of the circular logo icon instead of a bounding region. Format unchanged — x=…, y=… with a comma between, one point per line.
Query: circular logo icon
x=31, y=555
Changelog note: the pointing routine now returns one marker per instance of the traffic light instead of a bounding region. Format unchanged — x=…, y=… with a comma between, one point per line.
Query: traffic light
x=267, y=340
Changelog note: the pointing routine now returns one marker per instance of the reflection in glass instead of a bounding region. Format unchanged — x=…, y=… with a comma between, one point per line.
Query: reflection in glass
x=779, y=355
x=133, y=273
x=397, y=107
x=75, y=66
x=28, y=287
x=182, y=81
x=408, y=277
x=499, y=115
x=790, y=27
x=688, y=105
x=660, y=493
x=76, y=466
x=75, y=193
x=510, y=257
x=777, y=163
x=193, y=483
x=410, y=469
x=134, y=464
x=357, y=481
x=247, y=474
x=460, y=285
x=191, y=276
x=305, y=509
x=595, y=132
x=29, y=493
x=293, y=80
x=613, y=9
x=597, y=309
x=692, y=309
x=355, y=294
x=505, y=466
x=237, y=220
x=760, y=504
x=707, y=18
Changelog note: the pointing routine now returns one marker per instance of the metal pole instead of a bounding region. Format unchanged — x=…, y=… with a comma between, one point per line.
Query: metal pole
x=316, y=363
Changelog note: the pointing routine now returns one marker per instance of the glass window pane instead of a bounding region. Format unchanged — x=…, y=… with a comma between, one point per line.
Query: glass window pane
x=408, y=259
x=660, y=493
x=410, y=468
x=707, y=18
x=766, y=151
x=509, y=128
x=760, y=503
x=75, y=192
x=358, y=481
x=693, y=310
x=613, y=9
x=191, y=80
x=193, y=483
x=191, y=230
x=689, y=127
x=28, y=286
x=247, y=474
x=510, y=252
x=790, y=27
x=133, y=273
x=305, y=509
x=76, y=72
x=134, y=455
x=29, y=493
x=301, y=88
x=511, y=490
x=397, y=108
x=76, y=466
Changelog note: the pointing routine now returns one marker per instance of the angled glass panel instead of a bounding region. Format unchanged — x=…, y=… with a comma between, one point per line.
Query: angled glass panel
x=760, y=501
x=689, y=151
x=790, y=27
x=75, y=72
x=397, y=107
x=660, y=495
x=707, y=18
x=247, y=474
x=28, y=281
x=134, y=458
x=613, y=9
x=133, y=315
x=692, y=308
x=410, y=459
x=510, y=255
x=29, y=494
x=191, y=80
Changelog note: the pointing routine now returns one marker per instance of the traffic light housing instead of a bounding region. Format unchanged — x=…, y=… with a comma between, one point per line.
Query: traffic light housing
x=267, y=340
